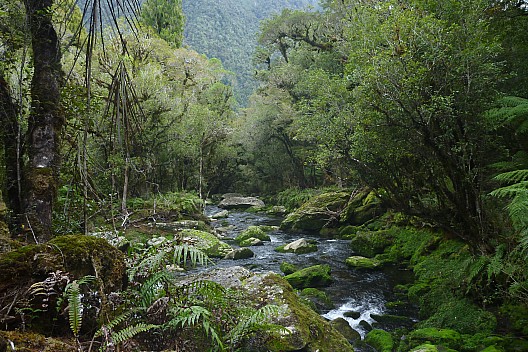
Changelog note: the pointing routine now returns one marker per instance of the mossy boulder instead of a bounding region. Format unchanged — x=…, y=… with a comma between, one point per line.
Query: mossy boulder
x=240, y=253
x=305, y=330
x=300, y=246
x=316, y=213
x=381, y=340
x=317, y=298
x=288, y=268
x=313, y=276
x=362, y=208
x=445, y=337
x=360, y=262
x=33, y=342
x=345, y=329
x=260, y=232
x=370, y=243
x=252, y=241
x=207, y=242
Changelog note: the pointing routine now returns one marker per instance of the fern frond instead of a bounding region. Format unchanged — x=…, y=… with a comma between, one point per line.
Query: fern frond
x=518, y=211
x=256, y=320
x=117, y=321
x=74, y=306
x=511, y=191
x=130, y=331
x=515, y=176
x=184, y=252
x=190, y=317
x=150, y=290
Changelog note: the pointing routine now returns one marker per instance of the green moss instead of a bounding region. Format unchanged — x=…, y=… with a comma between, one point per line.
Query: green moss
x=208, y=243
x=259, y=232
x=446, y=337
x=252, y=241
x=381, y=340
x=313, y=276
x=319, y=298
x=362, y=262
x=425, y=348
x=349, y=231
x=32, y=342
x=370, y=243
x=492, y=349
x=288, y=268
x=315, y=333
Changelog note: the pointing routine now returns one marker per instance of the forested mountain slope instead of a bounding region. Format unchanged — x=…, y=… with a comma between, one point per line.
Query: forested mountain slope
x=226, y=30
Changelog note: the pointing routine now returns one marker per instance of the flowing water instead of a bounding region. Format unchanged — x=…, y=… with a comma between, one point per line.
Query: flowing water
x=360, y=291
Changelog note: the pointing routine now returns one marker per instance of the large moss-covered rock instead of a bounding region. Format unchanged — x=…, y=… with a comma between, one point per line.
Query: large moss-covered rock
x=363, y=207
x=260, y=232
x=381, y=340
x=236, y=201
x=33, y=278
x=360, y=262
x=317, y=299
x=32, y=342
x=207, y=242
x=345, y=329
x=318, y=212
x=370, y=243
x=445, y=337
x=313, y=276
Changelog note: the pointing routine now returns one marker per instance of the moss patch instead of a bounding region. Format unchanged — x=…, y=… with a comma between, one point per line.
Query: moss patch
x=313, y=276
x=370, y=243
x=362, y=262
x=260, y=232
x=207, y=242
x=381, y=340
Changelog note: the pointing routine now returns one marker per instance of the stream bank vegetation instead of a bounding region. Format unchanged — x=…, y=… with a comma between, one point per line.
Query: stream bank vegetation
x=400, y=125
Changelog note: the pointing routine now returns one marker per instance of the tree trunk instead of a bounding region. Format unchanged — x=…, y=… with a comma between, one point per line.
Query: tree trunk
x=45, y=121
x=10, y=133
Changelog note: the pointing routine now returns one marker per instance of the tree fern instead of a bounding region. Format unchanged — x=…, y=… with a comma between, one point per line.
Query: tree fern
x=512, y=111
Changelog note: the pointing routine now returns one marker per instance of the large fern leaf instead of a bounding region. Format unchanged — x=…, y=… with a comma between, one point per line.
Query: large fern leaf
x=130, y=331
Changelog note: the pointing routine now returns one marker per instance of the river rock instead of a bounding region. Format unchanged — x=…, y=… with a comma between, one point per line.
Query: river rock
x=362, y=262
x=240, y=253
x=381, y=340
x=252, y=241
x=300, y=246
x=207, y=242
x=220, y=215
x=370, y=243
x=345, y=329
x=288, y=268
x=318, y=212
x=260, y=232
x=313, y=276
x=305, y=329
x=317, y=299
x=235, y=201
x=352, y=314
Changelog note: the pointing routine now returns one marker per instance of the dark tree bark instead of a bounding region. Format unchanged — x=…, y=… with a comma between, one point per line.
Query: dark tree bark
x=45, y=121
x=10, y=137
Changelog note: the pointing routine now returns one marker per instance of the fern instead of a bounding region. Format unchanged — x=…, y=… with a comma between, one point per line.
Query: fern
x=130, y=331
x=190, y=317
x=116, y=321
x=75, y=307
x=256, y=320
x=151, y=289
x=184, y=252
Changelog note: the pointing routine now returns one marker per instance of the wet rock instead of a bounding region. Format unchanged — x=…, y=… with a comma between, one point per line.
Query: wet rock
x=345, y=329
x=220, y=215
x=235, y=201
x=365, y=325
x=260, y=232
x=352, y=314
x=313, y=276
x=362, y=262
x=300, y=246
x=252, y=241
x=240, y=253
x=278, y=210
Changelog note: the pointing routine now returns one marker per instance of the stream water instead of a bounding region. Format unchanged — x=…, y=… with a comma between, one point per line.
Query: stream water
x=360, y=291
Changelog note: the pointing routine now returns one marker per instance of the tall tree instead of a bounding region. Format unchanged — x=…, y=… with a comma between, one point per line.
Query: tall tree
x=166, y=18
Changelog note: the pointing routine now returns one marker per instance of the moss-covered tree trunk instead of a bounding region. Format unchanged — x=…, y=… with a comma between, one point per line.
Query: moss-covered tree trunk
x=45, y=121
x=10, y=137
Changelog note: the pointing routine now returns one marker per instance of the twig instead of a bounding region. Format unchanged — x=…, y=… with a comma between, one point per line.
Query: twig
x=31, y=228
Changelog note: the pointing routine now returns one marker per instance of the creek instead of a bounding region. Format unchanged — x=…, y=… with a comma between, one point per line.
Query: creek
x=361, y=291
